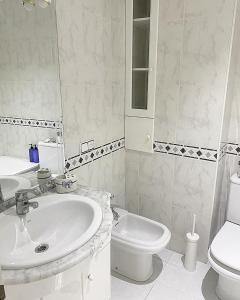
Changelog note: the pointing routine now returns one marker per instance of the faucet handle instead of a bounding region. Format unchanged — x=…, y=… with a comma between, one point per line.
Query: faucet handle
x=21, y=193
x=33, y=204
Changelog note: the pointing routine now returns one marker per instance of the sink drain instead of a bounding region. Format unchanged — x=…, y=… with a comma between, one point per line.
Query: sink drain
x=41, y=248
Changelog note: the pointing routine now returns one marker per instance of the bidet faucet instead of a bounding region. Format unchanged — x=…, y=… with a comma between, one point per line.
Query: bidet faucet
x=22, y=200
x=116, y=215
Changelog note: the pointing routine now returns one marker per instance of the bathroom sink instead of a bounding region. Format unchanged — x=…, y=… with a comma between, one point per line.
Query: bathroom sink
x=11, y=184
x=60, y=225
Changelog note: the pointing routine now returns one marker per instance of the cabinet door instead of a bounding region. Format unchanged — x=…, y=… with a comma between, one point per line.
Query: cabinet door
x=141, y=60
x=139, y=134
x=97, y=277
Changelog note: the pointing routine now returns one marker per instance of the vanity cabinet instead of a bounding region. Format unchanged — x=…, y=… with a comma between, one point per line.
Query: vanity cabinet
x=88, y=280
x=141, y=63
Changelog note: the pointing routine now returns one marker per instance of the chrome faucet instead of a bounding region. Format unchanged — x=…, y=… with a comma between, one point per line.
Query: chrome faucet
x=22, y=200
x=116, y=215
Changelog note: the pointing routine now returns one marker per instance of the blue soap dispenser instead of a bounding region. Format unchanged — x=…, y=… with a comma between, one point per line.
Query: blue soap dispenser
x=35, y=154
x=31, y=153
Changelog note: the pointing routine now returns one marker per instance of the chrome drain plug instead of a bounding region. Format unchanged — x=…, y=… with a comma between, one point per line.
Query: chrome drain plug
x=41, y=248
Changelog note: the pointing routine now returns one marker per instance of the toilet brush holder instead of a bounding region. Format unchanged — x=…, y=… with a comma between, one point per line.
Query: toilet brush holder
x=190, y=260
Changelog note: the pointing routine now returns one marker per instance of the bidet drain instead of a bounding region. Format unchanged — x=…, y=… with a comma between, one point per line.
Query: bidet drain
x=41, y=248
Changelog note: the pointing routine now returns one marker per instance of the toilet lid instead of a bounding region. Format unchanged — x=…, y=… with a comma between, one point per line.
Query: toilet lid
x=226, y=245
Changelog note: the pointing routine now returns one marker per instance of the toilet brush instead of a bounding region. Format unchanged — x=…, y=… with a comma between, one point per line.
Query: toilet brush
x=192, y=238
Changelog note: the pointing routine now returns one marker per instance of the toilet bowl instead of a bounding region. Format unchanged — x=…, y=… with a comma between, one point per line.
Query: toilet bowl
x=224, y=257
x=134, y=240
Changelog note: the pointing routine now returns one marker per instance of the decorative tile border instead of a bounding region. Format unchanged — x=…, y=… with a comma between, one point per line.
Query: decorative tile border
x=78, y=161
x=222, y=151
x=186, y=151
x=232, y=149
x=30, y=122
x=200, y=153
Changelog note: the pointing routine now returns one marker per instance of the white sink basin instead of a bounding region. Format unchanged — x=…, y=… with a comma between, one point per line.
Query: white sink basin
x=11, y=184
x=63, y=223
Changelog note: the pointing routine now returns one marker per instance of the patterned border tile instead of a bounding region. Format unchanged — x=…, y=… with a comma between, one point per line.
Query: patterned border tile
x=186, y=151
x=233, y=149
x=30, y=122
x=78, y=161
x=222, y=150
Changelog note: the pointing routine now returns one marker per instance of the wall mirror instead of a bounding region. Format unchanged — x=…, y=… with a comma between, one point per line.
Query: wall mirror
x=30, y=101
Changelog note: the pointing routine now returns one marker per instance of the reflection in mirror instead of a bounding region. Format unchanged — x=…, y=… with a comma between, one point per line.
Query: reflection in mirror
x=30, y=102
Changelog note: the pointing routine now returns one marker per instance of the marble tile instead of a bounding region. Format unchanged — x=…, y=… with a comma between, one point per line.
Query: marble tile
x=193, y=187
x=128, y=291
x=167, y=96
x=170, y=33
x=92, y=48
x=195, y=115
x=118, y=177
x=176, y=277
x=230, y=134
x=173, y=282
x=132, y=181
x=166, y=292
x=165, y=255
x=155, y=200
x=203, y=88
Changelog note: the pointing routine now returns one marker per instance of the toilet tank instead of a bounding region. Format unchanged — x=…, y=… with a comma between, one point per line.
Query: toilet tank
x=233, y=211
x=51, y=156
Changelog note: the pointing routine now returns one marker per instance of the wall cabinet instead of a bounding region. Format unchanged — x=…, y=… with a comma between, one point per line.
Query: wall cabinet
x=141, y=62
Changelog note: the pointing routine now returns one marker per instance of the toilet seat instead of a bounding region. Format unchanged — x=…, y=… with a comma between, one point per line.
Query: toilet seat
x=222, y=269
x=140, y=234
x=225, y=247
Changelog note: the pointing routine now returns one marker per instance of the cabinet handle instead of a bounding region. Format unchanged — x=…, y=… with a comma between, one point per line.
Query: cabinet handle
x=90, y=277
x=148, y=137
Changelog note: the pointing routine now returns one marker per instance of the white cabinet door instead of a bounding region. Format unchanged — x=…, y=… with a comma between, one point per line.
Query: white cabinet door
x=139, y=134
x=97, y=276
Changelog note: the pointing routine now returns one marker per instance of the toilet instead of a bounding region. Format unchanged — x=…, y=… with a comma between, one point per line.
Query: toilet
x=134, y=241
x=224, y=252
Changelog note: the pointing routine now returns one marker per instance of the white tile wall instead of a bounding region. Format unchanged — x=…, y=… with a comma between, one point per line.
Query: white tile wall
x=194, y=46
x=91, y=37
x=230, y=133
x=170, y=190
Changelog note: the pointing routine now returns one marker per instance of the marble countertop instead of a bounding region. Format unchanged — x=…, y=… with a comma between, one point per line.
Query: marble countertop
x=96, y=243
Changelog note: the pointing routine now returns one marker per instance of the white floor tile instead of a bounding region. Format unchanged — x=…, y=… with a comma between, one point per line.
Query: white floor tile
x=178, y=278
x=123, y=290
x=166, y=254
x=176, y=259
x=174, y=282
x=163, y=292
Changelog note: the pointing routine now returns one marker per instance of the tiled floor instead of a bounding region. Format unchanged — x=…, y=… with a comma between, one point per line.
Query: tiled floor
x=170, y=282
